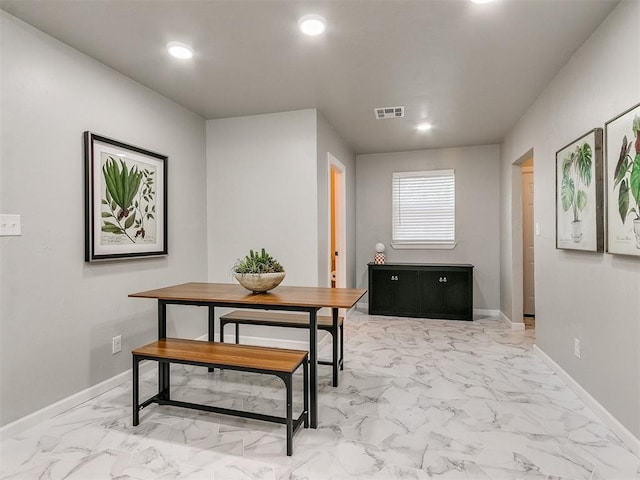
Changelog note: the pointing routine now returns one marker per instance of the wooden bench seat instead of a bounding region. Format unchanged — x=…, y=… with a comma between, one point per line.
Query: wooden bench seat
x=271, y=361
x=291, y=320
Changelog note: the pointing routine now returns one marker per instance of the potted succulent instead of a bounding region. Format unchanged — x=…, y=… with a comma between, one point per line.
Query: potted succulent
x=258, y=272
x=627, y=177
x=576, y=172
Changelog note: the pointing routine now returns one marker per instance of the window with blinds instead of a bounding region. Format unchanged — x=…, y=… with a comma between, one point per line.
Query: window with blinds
x=424, y=209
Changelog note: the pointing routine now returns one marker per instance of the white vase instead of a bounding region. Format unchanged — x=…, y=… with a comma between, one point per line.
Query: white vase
x=576, y=231
x=259, y=282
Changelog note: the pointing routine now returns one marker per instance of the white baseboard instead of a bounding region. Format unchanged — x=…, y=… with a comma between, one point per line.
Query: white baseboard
x=18, y=426
x=486, y=312
x=603, y=414
x=513, y=325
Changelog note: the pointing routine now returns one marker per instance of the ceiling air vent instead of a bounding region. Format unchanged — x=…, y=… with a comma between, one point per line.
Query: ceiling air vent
x=389, y=112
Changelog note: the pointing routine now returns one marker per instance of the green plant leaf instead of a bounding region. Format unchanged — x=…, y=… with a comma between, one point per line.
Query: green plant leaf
x=623, y=200
x=111, y=228
x=584, y=162
x=634, y=179
x=636, y=126
x=106, y=215
x=110, y=184
x=566, y=165
x=567, y=192
x=129, y=221
x=581, y=200
x=622, y=165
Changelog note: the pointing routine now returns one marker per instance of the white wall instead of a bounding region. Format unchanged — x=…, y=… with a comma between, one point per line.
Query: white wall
x=589, y=296
x=58, y=313
x=262, y=192
x=330, y=142
x=477, y=213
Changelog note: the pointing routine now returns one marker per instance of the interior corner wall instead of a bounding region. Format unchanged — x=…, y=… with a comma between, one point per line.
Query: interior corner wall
x=329, y=141
x=592, y=297
x=58, y=314
x=477, y=171
x=262, y=192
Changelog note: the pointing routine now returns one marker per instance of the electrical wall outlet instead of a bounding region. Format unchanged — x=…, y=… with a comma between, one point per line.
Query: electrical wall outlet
x=576, y=348
x=10, y=225
x=116, y=344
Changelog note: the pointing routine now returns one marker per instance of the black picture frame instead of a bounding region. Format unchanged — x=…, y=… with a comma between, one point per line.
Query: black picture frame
x=125, y=200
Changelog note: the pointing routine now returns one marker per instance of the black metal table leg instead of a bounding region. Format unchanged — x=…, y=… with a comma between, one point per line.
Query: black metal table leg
x=163, y=369
x=313, y=367
x=212, y=327
x=136, y=402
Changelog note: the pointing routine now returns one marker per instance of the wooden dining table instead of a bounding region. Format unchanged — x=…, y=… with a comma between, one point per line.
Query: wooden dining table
x=286, y=298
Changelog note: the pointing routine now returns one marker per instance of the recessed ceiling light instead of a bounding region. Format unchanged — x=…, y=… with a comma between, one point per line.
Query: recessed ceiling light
x=180, y=50
x=312, y=24
x=424, y=126
x=481, y=1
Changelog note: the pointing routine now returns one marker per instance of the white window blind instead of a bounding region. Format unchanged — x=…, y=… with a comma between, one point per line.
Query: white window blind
x=424, y=208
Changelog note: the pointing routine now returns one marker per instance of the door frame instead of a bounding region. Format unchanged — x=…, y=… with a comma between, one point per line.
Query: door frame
x=334, y=165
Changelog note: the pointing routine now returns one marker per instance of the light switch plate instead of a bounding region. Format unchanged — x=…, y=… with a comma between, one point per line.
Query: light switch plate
x=10, y=225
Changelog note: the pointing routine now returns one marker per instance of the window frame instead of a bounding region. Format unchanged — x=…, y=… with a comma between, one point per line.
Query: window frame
x=421, y=243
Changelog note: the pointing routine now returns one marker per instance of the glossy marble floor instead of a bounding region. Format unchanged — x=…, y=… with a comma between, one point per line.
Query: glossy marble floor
x=417, y=399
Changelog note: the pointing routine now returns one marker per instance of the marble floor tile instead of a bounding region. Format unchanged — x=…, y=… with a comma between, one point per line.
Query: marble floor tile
x=418, y=399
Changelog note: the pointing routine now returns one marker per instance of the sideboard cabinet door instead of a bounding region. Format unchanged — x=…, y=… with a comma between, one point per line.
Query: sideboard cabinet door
x=395, y=291
x=446, y=294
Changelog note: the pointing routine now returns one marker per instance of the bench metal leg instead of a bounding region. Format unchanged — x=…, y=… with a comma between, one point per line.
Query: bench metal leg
x=334, y=334
x=222, y=325
x=305, y=391
x=289, y=388
x=165, y=392
x=342, y=346
x=136, y=394
x=237, y=333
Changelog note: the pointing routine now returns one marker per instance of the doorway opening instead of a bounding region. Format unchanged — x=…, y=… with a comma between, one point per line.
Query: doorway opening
x=528, y=249
x=337, y=223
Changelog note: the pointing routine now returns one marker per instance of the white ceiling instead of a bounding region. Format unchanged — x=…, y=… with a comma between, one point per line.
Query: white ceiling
x=471, y=70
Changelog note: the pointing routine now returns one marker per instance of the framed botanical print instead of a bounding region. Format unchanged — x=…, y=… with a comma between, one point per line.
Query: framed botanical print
x=579, y=196
x=125, y=200
x=623, y=182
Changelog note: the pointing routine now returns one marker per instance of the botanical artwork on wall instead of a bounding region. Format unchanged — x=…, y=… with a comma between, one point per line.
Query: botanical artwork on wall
x=623, y=183
x=579, y=204
x=125, y=200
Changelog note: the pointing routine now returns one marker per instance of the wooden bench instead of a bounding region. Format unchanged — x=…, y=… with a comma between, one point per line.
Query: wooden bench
x=271, y=361
x=290, y=320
